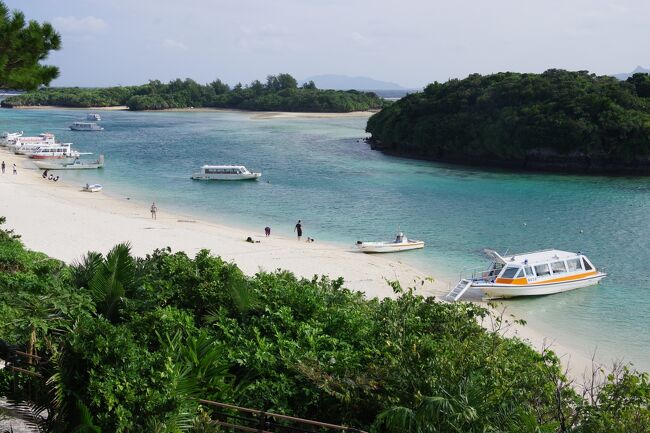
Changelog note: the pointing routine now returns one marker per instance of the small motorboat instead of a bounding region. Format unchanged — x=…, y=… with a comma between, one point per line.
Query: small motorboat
x=85, y=126
x=95, y=187
x=401, y=243
x=93, y=117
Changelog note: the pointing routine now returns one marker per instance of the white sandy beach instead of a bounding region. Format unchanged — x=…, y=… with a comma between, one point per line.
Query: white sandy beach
x=64, y=222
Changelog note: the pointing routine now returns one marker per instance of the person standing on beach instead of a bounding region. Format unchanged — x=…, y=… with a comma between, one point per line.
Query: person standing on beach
x=154, y=209
x=3, y=167
x=15, y=170
x=267, y=231
x=298, y=229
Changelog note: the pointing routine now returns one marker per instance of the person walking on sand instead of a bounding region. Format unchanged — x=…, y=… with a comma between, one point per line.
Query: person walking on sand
x=267, y=231
x=3, y=167
x=154, y=209
x=15, y=170
x=298, y=229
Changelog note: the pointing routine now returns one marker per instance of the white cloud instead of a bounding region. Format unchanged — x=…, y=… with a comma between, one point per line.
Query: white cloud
x=89, y=24
x=171, y=44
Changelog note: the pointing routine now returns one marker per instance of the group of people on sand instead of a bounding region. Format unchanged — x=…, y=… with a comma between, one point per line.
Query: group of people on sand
x=50, y=176
x=4, y=167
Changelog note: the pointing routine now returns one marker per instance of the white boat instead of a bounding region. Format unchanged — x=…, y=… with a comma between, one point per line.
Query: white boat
x=95, y=187
x=93, y=117
x=530, y=274
x=86, y=126
x=44, y=139
x=225, y=172
x=401, y=243
x=58, y=151
x=76, y=164
x=10, y=137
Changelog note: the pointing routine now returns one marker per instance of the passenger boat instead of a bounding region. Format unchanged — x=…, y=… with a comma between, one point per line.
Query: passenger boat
x=16, y=144
x=58, y=151
x=10, y=137
x=76, y=164
x=530, y=274
x=93, y=117
x=86, y=126
x=95, y=187
x=225, y=172
x=401, y=243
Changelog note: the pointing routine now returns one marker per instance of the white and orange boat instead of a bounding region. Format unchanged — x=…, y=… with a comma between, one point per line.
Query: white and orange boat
x=530, y=274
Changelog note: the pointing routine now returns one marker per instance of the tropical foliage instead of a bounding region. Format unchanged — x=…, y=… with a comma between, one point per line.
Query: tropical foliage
x=279, y=93
x=558, y=119
x=23, y=45
x=130, y=344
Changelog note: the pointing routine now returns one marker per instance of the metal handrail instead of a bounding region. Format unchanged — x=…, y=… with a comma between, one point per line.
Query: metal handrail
x=276, y=416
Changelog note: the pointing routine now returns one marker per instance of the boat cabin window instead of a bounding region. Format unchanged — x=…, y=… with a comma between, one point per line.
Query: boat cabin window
x=510, y=272
x=573, y=265
x=542, y=270
x=558, y=267
x=529, y=271
x=588, y=267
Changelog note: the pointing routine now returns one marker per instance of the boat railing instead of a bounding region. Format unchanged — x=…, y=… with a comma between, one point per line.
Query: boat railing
x=478, y=274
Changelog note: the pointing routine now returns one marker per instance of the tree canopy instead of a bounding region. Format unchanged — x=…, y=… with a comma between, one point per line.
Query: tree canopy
x=130, y=344
x=23, y=45
x=559, y=120
x=279, y=93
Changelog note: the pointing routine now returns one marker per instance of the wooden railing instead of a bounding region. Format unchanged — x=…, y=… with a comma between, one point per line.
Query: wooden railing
x=238, y=418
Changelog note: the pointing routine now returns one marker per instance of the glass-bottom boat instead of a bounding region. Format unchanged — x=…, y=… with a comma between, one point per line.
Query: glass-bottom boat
x=530, y=274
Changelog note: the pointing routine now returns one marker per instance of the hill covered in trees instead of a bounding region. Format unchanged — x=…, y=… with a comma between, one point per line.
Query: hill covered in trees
x=122, y=344
x=278, y=93
x=557, y=120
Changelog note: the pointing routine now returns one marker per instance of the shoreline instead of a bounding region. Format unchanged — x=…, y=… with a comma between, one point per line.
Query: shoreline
x=255, y=114
x=98, y=221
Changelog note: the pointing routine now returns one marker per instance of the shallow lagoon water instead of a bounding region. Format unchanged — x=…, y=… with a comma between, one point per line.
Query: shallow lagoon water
x=317, y=170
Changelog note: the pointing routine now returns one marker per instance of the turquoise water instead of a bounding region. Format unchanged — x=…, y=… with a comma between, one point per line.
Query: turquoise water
x=317, y=170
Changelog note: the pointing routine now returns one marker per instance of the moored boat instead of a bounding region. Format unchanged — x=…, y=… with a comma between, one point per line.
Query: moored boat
x=93, y=117
x=58, y=151
x=225, y=172
x=530, y=274
x=76, y=164
x=95, y=187
x=85, y=126
x=10, y=137
x=401, y=243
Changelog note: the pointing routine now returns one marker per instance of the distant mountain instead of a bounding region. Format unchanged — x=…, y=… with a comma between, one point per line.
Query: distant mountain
x=638, y=70
x=344, y=82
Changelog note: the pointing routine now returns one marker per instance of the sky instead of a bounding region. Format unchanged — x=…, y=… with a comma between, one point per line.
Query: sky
x=409, y=42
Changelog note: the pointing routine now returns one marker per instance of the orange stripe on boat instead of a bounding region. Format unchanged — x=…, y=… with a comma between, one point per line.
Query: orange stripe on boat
x=524, y=281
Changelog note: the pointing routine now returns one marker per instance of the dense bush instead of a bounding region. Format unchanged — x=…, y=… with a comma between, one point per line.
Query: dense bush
x=559, y=119
x=132, y=343
x=280, y=93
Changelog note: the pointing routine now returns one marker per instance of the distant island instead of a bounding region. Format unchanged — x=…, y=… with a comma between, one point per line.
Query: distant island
x=279, y=93
x=638, y=70
x=345, y=82
x=558, y=121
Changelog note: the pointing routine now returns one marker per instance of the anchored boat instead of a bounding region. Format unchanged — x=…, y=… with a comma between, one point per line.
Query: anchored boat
x=76, y=164
x=95, y=187
x=225, y=172
x=86, y=126
x=401, y=243
x=530, y=274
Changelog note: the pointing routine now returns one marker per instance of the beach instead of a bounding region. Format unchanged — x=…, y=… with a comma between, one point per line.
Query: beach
x=64, y=222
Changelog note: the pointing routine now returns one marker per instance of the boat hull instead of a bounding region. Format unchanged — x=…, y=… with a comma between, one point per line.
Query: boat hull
x=379, y=247
x=501, y=291
x=45, y=165
x=201, y=176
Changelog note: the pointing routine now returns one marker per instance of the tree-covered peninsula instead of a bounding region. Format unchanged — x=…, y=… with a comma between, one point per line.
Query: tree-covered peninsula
x=557, y=120
x=279, y=93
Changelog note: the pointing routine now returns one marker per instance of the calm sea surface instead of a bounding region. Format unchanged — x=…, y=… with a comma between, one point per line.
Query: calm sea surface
x=317, y=170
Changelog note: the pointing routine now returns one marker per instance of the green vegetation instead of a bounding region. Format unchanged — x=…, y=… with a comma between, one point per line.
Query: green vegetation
x=279, y=93
x=132, y=343
x=560, y=120
x=22, y=46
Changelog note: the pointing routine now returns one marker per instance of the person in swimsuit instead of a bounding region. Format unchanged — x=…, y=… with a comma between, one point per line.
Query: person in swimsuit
x=298, y=229
x=154, y=209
